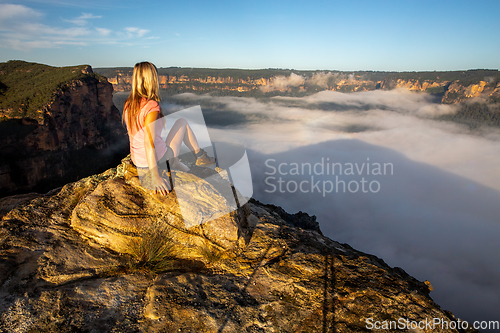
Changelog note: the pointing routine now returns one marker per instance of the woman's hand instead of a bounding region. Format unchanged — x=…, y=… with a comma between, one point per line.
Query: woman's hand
x=160, y=185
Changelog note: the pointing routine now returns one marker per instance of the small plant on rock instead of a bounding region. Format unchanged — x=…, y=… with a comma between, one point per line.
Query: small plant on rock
x=154, y=251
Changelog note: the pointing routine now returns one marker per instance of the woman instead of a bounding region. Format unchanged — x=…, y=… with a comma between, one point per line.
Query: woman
x=148, y=151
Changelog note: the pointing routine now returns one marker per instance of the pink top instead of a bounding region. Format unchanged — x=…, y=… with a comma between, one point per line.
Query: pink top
x=136, y=137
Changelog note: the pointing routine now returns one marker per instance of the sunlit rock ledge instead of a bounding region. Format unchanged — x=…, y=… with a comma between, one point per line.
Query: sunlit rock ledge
x=71, y=262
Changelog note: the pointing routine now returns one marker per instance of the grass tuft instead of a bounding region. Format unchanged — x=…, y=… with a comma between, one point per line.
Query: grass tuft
x=155, y=250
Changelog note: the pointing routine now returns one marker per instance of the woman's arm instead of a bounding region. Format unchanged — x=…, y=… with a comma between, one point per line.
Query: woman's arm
x=159, y=184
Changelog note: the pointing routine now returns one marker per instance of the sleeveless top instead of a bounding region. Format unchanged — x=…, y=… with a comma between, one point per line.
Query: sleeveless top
x=136, y=137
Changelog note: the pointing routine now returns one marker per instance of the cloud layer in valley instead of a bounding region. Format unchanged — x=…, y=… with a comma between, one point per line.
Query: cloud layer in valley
x=436, y=213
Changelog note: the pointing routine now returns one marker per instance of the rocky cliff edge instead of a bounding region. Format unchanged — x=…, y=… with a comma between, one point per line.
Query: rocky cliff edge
x=105, y=255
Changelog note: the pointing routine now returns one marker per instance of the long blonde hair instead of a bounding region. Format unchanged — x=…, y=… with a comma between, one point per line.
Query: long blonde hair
x=145, y=84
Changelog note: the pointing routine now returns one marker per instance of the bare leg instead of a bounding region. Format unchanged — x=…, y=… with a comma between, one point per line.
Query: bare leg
x=179, y=133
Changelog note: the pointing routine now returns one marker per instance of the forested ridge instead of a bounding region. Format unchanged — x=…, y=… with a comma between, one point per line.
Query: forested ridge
x=475, y=115
x=28, y=87
x=464, y=77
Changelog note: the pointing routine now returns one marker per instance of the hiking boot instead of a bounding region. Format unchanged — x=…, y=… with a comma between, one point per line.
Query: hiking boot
x=202, y=158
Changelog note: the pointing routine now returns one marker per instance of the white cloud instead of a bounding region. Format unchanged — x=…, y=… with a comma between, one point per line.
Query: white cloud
x=22, y=28
x=86, y=16
x=396, y=119
x=283, y=82
x=321, y=79
x=436, y=215
x=134, y=32
x=11, y=12
x=104, y=31
x=82, y=19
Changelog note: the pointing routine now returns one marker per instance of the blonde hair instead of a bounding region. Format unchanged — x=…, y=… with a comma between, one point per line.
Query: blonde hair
x=145, y=84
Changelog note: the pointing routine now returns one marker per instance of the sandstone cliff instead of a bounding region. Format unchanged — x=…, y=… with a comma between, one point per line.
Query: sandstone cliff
x=452, y=87
x=73, y=261
x=55, y=136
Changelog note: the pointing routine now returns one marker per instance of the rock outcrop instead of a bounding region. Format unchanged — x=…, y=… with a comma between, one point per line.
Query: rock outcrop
x=457, y=92
x=64, y=140
x=115, y=212
x=69, y=264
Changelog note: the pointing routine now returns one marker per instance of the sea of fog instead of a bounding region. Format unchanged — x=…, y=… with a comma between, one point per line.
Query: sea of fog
x=381, y=174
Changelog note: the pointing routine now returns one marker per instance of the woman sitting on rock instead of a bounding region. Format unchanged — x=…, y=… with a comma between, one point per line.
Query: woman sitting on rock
x=142, y=117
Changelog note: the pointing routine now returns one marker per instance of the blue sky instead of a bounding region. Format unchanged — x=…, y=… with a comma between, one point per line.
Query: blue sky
x=329, y=35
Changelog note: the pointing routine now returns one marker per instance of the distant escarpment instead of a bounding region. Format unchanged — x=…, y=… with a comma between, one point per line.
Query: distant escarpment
x=103, y=254
x=57, y=124
x=450, y=87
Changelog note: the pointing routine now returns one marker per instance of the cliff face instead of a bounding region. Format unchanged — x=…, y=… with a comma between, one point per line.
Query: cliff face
x=71, y=263
x=452, y=87
x=453, y=92
x=123, y=82
x=458, y=93
x=62, y=140
x=414, y=85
